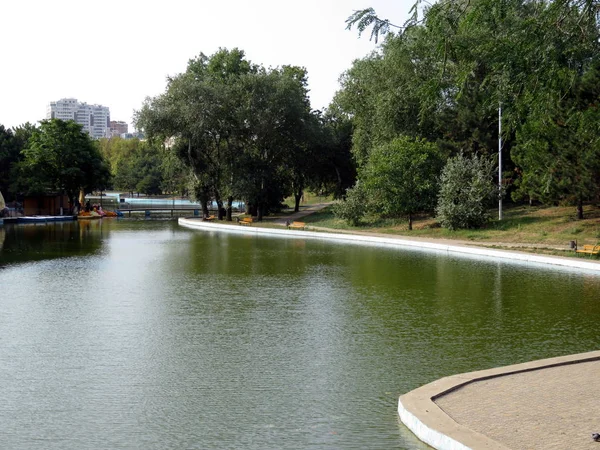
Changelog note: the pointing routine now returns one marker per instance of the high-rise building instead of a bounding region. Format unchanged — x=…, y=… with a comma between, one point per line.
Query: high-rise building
x=95, y=119
x=117, y=128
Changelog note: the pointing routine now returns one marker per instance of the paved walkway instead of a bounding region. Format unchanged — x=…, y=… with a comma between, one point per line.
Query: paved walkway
x=545, y=404
x=552, y=408
x=304, y=211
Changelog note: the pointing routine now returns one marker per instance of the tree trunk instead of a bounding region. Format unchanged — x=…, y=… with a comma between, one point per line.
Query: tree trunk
x=260, y=211
x=297, y=197
x=339, y=182
x=229, y=208
x=580, y=209
x=409, y=221
x=204, y=208
x=220, y=209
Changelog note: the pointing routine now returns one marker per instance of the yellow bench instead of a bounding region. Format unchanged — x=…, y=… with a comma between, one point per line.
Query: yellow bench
x=297, y=225
x=245, y=221
x=589, y=249
x=209, y=218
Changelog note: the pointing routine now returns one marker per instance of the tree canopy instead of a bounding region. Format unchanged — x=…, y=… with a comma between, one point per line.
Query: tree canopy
x=443, y=74
x=62, y=158
x=244, y=131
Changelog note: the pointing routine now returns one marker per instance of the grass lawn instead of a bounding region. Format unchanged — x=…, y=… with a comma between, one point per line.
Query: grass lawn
x=309, y=200
x=547, y=227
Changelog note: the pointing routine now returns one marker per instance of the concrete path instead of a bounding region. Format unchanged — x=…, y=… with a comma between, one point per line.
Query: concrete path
x=554, y=408
x=547, y=404
x=304, y=211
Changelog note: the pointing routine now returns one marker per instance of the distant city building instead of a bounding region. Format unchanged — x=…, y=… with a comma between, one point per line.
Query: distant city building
x=95, y=119
x=117, y=128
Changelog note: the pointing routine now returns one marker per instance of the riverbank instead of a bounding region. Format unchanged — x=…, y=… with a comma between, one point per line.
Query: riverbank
x=425, y=244
x=529, y=229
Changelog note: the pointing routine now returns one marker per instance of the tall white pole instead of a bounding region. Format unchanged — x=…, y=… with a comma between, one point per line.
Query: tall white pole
x=500, y=161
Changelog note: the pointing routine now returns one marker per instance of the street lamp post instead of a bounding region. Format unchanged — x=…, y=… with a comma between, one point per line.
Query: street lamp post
x=500, y=161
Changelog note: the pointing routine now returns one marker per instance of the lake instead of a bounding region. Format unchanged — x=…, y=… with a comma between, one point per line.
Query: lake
x=141, y=334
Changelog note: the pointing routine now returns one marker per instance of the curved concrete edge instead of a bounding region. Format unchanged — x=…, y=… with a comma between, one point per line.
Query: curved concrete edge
x=396, y=242
x=428, y=435
x=419, y=412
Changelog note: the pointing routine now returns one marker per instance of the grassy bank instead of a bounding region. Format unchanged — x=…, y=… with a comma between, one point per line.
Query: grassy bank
x=529, y=227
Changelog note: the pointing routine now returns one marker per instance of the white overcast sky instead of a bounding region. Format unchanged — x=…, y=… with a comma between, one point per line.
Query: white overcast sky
x=116, y=53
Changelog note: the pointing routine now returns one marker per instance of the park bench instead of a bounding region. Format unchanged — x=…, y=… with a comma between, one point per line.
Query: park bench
x=296, y=226
x=589, y=249
x=245, y=221
x=209, y=218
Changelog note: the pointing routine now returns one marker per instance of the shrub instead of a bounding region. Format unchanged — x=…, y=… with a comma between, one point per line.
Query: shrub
x=467, y=188
x=353, y=207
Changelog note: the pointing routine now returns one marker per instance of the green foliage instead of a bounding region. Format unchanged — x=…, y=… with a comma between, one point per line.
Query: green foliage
x=559, y=147
x=443, y=77
x=467, y=188
x=61, y=157
x=243, y=131
x=140, y=166
x=333, y=169
x=365, y=18
x=401, y=177
x=12, y=143
x=353, y=207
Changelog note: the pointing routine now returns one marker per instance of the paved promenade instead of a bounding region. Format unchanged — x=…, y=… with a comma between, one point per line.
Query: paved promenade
x=553, y=408
x=548, y=404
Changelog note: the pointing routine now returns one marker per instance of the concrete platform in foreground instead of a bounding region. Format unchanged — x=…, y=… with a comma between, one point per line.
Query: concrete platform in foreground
x=547, y=404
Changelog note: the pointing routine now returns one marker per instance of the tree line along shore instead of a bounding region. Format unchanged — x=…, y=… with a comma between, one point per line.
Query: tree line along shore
x=418, y=129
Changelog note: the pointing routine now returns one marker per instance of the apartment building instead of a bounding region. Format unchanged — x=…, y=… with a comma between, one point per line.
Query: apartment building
x=117, y=127
x=95, y=119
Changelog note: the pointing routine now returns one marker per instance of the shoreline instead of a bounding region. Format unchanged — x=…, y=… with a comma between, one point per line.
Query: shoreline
x=428, y=244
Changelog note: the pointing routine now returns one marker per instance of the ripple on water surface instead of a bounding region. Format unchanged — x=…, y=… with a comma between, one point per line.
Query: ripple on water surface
x=145, y=335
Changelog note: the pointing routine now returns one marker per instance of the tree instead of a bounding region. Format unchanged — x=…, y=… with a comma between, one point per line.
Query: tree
x=467, y=188
x=241, y=129
x=332, y=166
x=354, y=205
x=61, y=157
x=200, y=115
x=12, y=143
x=443, y=75
x=9, y=156
x=401, y=177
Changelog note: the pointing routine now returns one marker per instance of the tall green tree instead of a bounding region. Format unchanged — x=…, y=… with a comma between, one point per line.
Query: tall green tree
x=238, y=127
x=62, y=158
x=401, y=177
x=12, y=143
x=200, y=117
x=332, y=165
x=444, y=74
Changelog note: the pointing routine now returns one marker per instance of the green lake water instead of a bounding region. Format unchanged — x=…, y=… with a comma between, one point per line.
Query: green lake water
x=146, y=335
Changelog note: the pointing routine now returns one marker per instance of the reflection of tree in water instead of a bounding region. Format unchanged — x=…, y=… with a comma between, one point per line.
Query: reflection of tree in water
x=35, y=242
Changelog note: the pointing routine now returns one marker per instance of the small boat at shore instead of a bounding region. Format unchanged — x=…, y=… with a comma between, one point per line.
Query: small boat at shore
x=97, y=215
x=42, y=219
x=89, y=215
